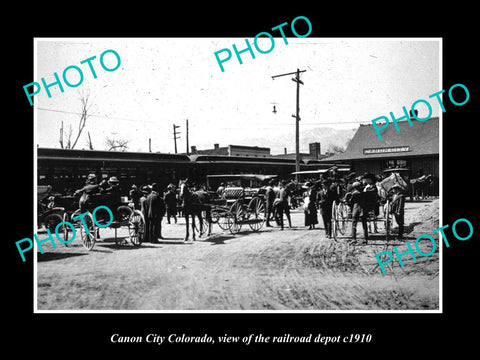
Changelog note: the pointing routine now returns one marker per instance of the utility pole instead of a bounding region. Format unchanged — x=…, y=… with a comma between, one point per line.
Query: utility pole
x=175, y=137
x=297, y=116
x=187, y=139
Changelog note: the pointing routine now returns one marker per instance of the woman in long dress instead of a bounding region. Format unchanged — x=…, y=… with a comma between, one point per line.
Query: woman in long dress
x=310, y=206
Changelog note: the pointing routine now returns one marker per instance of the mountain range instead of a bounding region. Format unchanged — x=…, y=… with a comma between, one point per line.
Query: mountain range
x=326, y=136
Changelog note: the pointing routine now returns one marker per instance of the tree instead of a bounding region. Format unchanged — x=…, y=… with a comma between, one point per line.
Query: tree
x=89, y=142
x=84, y=98
x=335, y=149
x=116, y=144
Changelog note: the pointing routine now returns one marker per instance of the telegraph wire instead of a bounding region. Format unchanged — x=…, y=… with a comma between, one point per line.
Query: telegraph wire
x=93, y=115
x=273, y=124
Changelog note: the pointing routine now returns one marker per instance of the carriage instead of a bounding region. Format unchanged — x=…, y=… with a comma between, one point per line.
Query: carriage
x=342, y=214
x=48, y=212
x=242, y=202
x=124, y=215
x=313, y=176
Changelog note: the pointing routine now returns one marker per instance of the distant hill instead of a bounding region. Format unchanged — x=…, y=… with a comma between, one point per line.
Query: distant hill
x=326, y=136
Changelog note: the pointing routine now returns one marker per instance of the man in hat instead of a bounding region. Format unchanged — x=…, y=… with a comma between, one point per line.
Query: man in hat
x=112, y=194
x=326, y=196
x=357, y=204
x=155, y=210
x=145, y=192
x=171, y=203
x=310, y=205
x=90, y=188
x=220, y=190
x=269, y=199
x=135, y=195
x=371, y=195
x=281, y=205
x=398, y=208
x=114, y=185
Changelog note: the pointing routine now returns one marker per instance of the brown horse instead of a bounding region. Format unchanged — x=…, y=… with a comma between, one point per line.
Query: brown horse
x=193, y=203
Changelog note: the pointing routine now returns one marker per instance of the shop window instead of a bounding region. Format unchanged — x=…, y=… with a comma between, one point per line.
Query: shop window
x=395, y=163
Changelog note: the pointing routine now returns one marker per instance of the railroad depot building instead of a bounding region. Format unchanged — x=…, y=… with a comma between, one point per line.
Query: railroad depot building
x=414, y=149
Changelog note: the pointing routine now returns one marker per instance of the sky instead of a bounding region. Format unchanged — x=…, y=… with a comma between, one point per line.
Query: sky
x=164, y=81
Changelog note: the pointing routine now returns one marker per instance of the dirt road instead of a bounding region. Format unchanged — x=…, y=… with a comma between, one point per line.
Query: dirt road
x=293, y=269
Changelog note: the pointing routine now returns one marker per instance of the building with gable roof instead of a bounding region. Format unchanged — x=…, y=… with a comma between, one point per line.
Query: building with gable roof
x=414, y=150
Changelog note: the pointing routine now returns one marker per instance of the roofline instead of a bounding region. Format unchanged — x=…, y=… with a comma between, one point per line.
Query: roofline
x=45, y=154
x=389, y=156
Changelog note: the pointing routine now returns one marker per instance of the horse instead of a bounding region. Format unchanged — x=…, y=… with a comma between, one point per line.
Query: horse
x=421, y=186
x=296, y=192
x=193, y=203
x=280, y=207
x=386, y=184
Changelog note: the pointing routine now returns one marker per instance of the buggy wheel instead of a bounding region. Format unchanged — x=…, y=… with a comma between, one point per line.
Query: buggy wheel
x=225, y=220
x=334, y=220
x=88, y=239
x=341, y=216
x=52, y=220
x=136, y=227
x=237, y=210
x=124, y=213
x=256, y=210
x=63, y=231
x=236, y=226
x=238, y=215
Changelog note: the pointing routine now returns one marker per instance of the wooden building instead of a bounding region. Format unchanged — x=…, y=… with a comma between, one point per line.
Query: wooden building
x=414, y=148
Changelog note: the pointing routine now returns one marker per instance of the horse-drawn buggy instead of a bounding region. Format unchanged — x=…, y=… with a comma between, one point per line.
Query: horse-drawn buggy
x=49, y=213
x=313, y=176
x=238, y=201
x=104, y=210
x=377, y=204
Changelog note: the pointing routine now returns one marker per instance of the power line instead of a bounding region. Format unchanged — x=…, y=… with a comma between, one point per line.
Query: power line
x=147, y=121
x=93, y=115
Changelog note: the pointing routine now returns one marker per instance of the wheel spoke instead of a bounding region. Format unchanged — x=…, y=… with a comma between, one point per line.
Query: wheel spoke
x=136, y=228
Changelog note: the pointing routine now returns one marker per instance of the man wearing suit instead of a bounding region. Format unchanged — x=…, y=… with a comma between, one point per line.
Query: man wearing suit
x=154, y=210
x=269, y=199
x=281, y=206
x=171, y=203
x=357, y=204
x=326, y=196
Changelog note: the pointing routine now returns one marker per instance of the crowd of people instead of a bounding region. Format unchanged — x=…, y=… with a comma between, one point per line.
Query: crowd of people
x=359, y=193
x=150, y=200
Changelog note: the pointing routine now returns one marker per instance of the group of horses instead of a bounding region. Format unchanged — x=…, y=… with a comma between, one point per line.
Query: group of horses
x=195, y=202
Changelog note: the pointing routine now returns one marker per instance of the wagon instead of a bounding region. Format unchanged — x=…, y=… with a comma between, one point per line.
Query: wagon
x=342, y=216
x=48, y=212
x=124, y=215
x=240, y=203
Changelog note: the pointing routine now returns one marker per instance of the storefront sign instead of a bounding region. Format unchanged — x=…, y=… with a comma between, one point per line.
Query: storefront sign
x=370, y=151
